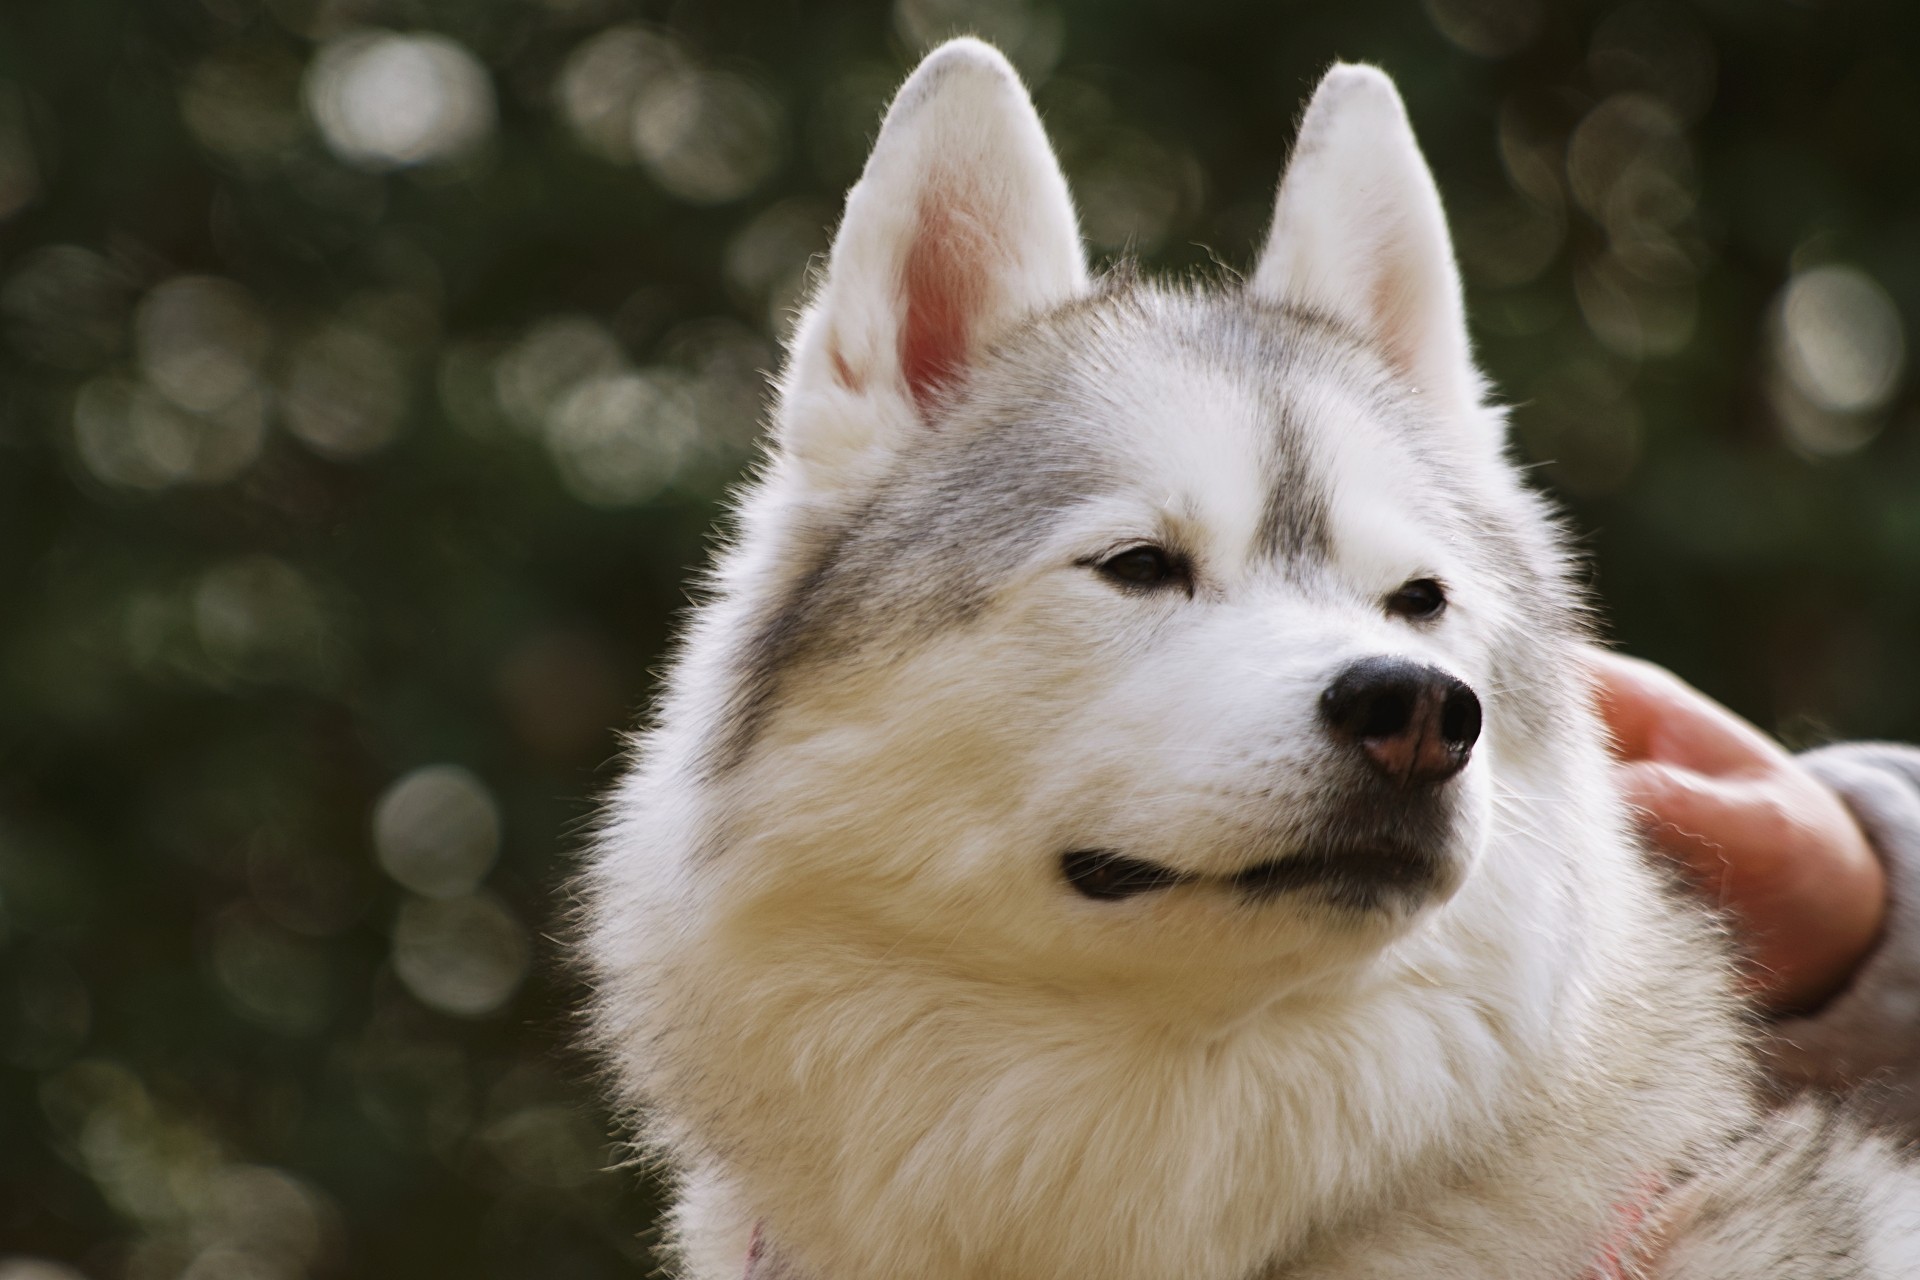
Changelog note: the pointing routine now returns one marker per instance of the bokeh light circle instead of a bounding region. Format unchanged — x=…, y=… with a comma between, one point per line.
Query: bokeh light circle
x=707, y=137
x=386, y=100
x=464, y=956
x=437, y=831
x=1840, y=339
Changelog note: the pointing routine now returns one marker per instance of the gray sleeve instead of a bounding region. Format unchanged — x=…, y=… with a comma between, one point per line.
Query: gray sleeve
x=1866, y=1040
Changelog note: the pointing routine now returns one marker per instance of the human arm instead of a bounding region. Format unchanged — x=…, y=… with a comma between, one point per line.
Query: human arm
x=1868, y=1032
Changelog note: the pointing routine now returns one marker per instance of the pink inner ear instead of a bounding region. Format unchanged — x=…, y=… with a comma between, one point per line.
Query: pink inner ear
x=942, y=281
x=1393, y=317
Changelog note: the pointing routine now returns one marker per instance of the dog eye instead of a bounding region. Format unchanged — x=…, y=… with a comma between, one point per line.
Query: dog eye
x=1420, y=598
x=1145, y=566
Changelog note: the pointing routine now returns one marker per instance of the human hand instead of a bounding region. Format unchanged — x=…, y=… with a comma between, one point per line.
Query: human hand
x=1750, y=827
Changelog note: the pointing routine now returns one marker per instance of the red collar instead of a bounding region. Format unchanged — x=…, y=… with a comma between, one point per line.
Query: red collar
x=1636, y=1240
x=761, y=1262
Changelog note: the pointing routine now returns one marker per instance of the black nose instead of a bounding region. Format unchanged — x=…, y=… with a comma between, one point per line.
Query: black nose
x=1415, y=724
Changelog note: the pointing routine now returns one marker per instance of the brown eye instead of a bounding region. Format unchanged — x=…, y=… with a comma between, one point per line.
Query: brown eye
x=1419, y=599
x=1145, y=567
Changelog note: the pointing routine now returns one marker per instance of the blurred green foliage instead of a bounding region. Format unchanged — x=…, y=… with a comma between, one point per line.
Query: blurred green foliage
x=370, y=371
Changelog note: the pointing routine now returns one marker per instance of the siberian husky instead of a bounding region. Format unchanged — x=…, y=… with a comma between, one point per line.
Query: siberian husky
x=1131, y=808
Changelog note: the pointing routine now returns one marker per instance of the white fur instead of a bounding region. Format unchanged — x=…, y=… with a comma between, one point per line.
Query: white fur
x=1359, y=233
x=838, y=979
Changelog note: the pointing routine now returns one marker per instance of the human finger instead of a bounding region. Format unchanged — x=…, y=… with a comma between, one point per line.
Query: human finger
x=1654, y=715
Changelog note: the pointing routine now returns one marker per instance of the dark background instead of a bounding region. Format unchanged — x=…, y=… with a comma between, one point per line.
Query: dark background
x=370, y=371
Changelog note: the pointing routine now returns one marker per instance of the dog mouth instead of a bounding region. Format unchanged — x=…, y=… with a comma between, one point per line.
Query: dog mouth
x=1363, y=877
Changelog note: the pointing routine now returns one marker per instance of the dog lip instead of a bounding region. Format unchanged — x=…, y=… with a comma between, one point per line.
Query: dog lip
x=1354, y=875
x=1362, y=876
x=1107, y=876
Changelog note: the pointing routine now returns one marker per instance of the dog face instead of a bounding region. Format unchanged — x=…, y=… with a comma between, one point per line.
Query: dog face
x=1114, y=636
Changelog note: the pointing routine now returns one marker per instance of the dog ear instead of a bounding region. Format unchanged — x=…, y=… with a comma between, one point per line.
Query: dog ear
x=1359, y=235
x=960, y=225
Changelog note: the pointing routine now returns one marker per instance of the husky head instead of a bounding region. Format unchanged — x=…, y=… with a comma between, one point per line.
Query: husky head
x=1100, y=663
